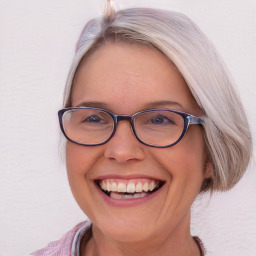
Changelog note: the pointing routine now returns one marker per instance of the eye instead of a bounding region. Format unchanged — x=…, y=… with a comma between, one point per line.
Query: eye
x=93, y=119
x=161, y=119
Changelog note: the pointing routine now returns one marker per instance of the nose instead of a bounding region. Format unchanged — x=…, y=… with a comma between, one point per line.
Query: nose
x=124, y=146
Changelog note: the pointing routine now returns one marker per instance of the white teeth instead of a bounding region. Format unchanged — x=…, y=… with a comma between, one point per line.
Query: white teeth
x=103, y=185
x=108, y=186
x=121, y=187
x=145, y=187
x=115, y=195
x=114, y=187
x=137, y=195
x=143, y=194
x=152, y=186
x=127, y=196
x=130, y=188
x=139, y=187
x=140, y=195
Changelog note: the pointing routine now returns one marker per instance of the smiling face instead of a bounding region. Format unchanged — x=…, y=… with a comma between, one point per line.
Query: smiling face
x=127, y=78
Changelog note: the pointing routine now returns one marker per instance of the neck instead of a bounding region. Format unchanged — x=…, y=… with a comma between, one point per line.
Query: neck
x=178, y=242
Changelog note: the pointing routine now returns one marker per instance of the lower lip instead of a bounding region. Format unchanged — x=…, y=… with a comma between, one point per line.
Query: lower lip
x=128, y=201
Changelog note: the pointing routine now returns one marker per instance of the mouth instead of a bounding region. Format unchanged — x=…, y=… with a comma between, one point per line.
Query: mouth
x=128, y=189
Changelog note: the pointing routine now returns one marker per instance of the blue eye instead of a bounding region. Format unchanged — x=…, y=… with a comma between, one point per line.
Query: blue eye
x=93, y=119
x=160, y=119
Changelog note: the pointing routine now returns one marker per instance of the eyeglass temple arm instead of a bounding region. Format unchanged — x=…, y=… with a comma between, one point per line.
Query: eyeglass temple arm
x=195, y=120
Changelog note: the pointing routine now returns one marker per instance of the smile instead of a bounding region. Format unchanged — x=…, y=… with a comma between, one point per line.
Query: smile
x=128, y=189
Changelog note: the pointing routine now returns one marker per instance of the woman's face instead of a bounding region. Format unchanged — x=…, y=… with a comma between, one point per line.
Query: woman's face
x=126, y=78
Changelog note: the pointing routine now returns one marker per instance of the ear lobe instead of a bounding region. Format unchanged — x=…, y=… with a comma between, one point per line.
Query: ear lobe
x=207, y=174
x=208, y=170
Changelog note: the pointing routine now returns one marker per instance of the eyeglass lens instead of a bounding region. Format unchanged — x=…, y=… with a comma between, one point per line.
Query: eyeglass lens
x=91, y=126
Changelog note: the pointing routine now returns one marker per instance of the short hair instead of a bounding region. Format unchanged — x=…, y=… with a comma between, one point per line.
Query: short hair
x=226, y=130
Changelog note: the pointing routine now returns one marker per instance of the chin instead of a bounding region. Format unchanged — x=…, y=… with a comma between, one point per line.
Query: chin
x=125, y=232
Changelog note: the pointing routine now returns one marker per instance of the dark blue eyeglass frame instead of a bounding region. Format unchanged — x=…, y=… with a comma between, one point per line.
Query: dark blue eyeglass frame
x=188, y=119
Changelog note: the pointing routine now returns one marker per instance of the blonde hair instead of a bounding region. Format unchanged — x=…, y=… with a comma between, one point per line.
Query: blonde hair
x=226, y=128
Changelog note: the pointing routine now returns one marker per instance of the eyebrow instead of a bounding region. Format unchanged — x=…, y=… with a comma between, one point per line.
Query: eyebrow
x=162, y=103
x=93, y=104
x=150, y=105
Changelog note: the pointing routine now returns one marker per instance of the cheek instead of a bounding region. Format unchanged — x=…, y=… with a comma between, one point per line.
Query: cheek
x=80, y=159
x=80, y=162
x=193, y=149
x=185, y=161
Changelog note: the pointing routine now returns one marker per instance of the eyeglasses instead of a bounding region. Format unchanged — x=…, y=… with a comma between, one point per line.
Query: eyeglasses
x=154, y=127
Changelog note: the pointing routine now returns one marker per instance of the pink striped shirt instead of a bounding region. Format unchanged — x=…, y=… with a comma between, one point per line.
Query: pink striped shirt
x=68, y=245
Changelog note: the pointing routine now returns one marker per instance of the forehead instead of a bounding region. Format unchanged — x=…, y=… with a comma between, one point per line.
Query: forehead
x=124, y=74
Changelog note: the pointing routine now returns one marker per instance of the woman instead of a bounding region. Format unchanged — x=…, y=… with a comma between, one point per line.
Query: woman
x=151, y=120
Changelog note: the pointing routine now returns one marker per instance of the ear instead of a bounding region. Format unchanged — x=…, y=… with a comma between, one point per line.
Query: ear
x=208, y=170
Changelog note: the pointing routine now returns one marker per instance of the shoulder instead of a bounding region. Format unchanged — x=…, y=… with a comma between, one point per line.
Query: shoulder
x=63, y=246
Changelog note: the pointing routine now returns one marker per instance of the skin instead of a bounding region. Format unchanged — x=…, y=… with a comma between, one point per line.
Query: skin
x=122, y=78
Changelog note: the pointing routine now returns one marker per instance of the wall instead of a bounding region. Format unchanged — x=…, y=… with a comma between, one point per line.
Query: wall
x=37, y=40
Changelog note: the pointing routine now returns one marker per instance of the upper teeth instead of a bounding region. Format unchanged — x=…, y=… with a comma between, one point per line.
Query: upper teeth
x=128, y=186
